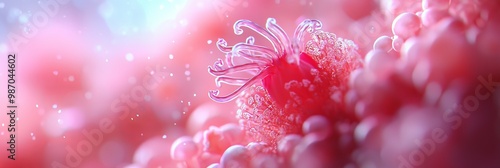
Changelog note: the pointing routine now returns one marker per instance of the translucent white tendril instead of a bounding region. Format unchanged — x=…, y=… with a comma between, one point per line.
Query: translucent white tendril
x=258, y=58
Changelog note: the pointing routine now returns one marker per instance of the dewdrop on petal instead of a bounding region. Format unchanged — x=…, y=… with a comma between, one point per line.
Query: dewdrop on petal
x=406, y=25
x=287, y=144
x=235, y=156
x=184, y=149
x=318, y=124
x=383, y=43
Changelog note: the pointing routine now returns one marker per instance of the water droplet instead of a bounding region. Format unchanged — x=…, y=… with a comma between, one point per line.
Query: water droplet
x=209, y=42
x=129, y=57
x=194, y=95
x=137, y=115
x=132, y=119
x=171, y=74
x=107, y=60
x=312, y=88
x=187, y=73
x=36, y=105
x=54, y=106
x=55, y=73
x=314, y=72
x=64, y=136
x=250, y=100
x=306, y=82
x=171, y=56
x=164, y=136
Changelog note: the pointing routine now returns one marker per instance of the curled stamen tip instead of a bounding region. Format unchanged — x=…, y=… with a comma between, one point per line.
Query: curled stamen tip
x=219, y=61
x=218, y=82
x=250, y=40
x=271, y=20
x=212, y=71
x=311, y=25
x=237, y=26
x=316, y=24
x=221, y=42
x=213, y=93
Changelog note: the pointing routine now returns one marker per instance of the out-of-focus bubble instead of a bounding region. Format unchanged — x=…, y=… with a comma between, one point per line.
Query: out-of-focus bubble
x=184, y=149
x=55, y=124
x=406, y=25
x=363, y=129
x=383, y=43
x=152, y=148
x=129, y=57
x=316, y=124
x=208, y=114
x=288, y=143
x=235, y=156
x=313, y=151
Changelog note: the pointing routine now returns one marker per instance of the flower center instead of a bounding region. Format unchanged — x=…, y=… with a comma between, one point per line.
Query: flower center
x=289, y=81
